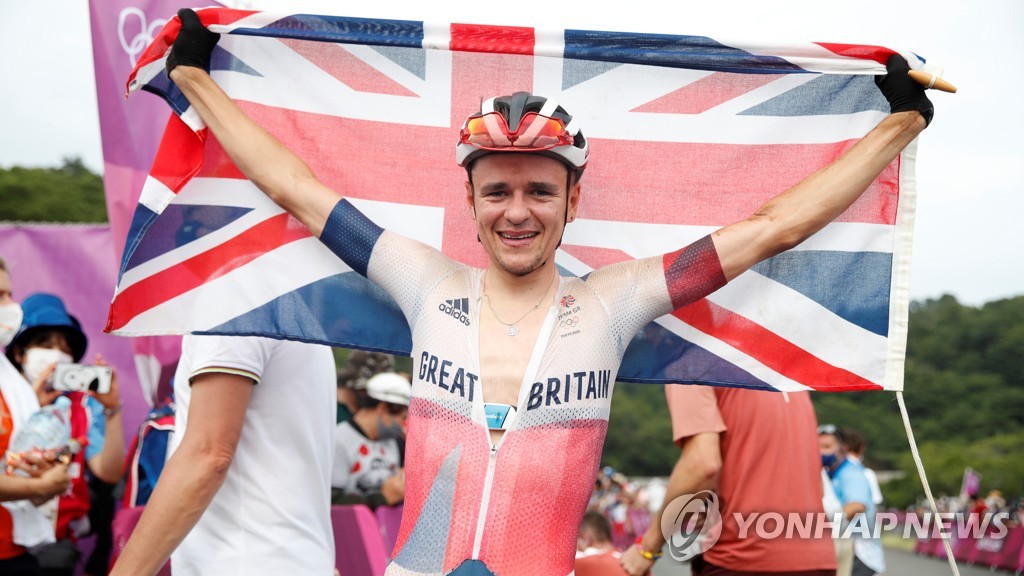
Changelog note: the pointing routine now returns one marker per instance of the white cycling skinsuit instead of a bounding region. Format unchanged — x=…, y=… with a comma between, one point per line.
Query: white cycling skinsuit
x=514, y=509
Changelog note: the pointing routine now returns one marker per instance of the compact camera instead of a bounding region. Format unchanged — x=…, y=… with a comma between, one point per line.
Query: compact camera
x=82, y=378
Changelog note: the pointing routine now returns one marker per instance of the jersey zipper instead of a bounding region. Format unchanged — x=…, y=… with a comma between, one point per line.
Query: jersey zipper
x=531, y=370
x=485, y=499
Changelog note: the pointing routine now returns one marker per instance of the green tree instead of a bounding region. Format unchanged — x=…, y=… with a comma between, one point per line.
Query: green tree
x=639, y=441
x=70, y=193
x=964, y=392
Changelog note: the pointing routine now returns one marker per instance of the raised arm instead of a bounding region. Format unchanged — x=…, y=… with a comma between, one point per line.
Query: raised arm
x=279, y=173
x=793, y=216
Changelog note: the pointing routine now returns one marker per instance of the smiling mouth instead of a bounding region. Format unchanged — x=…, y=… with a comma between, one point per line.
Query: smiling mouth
x=517, y=235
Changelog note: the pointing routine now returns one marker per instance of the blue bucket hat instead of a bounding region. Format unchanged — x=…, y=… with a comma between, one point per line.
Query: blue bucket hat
x=47, y=312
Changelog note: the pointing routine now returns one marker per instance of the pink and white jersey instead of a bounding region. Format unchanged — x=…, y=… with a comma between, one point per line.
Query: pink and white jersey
x=515, y=508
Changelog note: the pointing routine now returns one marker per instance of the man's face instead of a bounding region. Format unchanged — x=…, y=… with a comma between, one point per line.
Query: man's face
x=393, y=416
x=828, y=445
x=519, y=203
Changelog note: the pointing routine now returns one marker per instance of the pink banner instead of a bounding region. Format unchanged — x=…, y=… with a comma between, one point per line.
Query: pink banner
x=74, y=262
x=130, y=131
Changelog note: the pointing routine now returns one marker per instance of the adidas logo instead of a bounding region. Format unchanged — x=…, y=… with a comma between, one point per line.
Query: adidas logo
x=457, y=308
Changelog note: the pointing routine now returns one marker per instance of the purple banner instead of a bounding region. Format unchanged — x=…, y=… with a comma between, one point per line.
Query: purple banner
x=74, y=262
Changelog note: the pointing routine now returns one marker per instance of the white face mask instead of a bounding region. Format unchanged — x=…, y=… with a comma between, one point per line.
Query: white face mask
x=10, y=321
x=39, y=359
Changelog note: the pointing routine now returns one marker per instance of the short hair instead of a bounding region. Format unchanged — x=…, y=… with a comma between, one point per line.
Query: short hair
x=833, y=430
x=3, y=265
x=599, y=528
x=855, y=441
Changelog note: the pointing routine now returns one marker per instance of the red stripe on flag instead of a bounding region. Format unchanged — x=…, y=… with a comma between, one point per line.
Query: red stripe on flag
x=481, y=38
x=177, y=280
x=770, y=349
x=217, y=164
x=706, y=93
x=224, y=16
x=180, y=155
x=346, y=68
x=713, y=184
x=877, y=53
x=596, y=257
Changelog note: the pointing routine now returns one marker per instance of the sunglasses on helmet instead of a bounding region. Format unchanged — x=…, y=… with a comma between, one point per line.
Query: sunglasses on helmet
x=535, y=132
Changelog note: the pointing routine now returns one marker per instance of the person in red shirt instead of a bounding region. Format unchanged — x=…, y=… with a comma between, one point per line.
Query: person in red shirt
x=595, y=553
x=758, y=451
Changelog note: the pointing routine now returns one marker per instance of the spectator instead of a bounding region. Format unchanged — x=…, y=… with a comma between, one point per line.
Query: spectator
x=369, y=449
x=50, y=335
x=595, y=553
x=247, y=487
x=755, y=449
x=854, y=493
x=868, y=549
x=856, y=446
x=977, y=505
x=42, y=480
x=361, y=366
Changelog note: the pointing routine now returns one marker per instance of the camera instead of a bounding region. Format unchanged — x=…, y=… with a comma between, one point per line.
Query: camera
x=82, y=378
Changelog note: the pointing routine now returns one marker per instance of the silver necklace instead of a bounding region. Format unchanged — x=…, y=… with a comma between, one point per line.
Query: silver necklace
x=512, y=329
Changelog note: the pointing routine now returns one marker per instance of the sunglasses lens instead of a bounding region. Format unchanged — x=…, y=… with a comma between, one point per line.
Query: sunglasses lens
x=535, y=132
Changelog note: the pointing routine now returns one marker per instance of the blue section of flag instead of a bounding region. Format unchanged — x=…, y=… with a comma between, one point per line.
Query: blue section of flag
x=346, y=30
x=825, y=94
x=221, y=59
x=180, y=224
x=578, y=71
x=140, y=223
x=656, y=355
x=694, y=52
x=865, y=277
x=162, y=86
x=346, y=310
x=412, y=59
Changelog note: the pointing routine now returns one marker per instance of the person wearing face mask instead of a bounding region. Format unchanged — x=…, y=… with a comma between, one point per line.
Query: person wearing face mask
x=247, y=487
x=369, y=448
x=21, y=523
x=854, y=493
x=50, y=335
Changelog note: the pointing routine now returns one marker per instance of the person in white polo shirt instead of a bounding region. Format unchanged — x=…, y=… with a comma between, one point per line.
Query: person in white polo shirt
x=247, y=488
x=369, y=448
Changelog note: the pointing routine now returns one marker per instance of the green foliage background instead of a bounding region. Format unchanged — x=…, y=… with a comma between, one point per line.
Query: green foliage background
x=70, y=193
x=964, y=374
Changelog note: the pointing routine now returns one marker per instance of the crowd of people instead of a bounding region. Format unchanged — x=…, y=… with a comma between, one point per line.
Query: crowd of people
x=349, y=425
x=496, y=480
x=68, y=490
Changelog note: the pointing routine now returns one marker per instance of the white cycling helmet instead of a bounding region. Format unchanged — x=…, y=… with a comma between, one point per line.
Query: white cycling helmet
x=389, y=387
x=523, y=122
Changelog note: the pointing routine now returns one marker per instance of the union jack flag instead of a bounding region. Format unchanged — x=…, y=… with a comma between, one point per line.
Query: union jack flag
x=687, y=134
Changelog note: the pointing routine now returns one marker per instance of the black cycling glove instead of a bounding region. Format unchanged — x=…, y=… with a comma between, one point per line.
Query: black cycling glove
x=194, y=43
x=903, y=92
